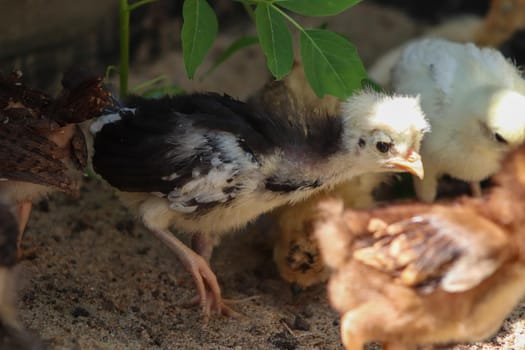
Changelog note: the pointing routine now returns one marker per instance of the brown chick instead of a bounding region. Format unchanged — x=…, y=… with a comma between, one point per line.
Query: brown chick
x=296, y=251
x=419, y=274
x=40, y=143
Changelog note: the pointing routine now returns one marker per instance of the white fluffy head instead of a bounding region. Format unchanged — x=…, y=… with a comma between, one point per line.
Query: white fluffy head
x=376, y=121
x=399, y=117
x=373, y=110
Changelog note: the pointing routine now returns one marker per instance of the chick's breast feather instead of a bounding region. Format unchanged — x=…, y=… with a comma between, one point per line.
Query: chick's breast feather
x=208, y=163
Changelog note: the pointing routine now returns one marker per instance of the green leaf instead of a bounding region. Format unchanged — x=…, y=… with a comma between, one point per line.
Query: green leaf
x=275, y=39
x=317, y=7
x=230, y=50
x=331, y=63
x=198, y=33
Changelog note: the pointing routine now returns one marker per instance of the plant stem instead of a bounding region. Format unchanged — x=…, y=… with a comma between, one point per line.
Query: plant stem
x=148, y=83
x=110, y=69
x=124, y=47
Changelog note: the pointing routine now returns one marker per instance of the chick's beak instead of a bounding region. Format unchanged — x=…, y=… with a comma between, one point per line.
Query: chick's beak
x=411, y=164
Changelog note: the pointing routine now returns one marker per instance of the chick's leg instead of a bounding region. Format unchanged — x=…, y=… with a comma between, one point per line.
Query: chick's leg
x=475, y=188
x=204, y=278
x=201, y=244
x=426, y=188
x=24, y=211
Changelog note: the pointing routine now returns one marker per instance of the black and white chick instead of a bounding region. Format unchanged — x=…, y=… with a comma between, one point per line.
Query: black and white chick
x=209, y=164
x=474, y=100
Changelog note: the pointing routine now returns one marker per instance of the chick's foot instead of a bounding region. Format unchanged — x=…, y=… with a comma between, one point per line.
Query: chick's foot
x=209, y=298
x=209, y=291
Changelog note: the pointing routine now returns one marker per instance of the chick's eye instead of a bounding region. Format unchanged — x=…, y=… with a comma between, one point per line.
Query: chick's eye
x=383, y=147
x=499, y=138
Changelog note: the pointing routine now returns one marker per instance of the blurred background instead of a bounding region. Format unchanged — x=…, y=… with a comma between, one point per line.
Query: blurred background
x=44, y=37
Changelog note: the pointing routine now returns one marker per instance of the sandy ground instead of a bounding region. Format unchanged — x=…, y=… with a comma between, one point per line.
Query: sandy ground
x=98, y=280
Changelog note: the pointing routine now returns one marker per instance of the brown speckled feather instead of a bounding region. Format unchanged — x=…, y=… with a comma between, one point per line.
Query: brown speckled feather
x=446, y=248
x=410, y=256
x=82, y=98
x=37, y=143
x=27, y=156
x=12, y=90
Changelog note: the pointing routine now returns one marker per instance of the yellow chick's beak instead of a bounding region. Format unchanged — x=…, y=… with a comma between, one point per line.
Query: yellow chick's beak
x=411, y=164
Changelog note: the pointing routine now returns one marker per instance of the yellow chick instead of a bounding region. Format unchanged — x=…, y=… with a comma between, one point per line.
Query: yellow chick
x=296, y=252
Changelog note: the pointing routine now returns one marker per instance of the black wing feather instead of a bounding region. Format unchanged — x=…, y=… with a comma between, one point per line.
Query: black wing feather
x=135, y=153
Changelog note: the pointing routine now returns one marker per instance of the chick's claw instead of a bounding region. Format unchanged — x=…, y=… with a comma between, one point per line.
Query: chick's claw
x=209, y=297
x=221, y=307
